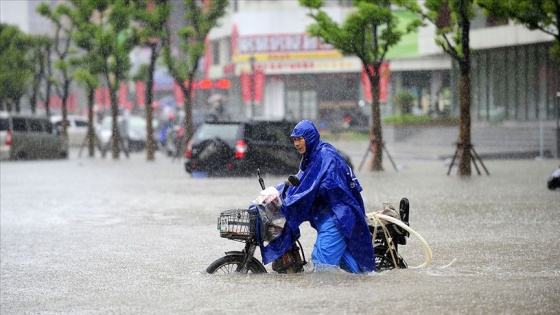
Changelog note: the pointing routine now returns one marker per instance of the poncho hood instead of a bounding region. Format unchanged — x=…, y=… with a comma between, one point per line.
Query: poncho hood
x=309, y=132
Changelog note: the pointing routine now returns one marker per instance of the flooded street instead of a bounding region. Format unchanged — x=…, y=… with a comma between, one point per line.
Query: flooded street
x=101, y=236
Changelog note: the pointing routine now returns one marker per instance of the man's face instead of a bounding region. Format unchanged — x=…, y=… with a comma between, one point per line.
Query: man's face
x=299, y=143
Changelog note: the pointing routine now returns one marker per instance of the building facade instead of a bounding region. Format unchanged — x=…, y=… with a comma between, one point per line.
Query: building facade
x=275, y=70
x=295, y=76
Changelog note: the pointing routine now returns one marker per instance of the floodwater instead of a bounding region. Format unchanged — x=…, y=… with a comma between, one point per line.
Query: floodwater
x=94, y=236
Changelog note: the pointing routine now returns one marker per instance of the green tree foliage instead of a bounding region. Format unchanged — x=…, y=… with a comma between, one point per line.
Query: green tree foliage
x=38, y=59
x=201, y=16
x=541, y=15
x=15, y=68
x=64, y=53
x=368, y=32
x=452, y=20
x=89, y=63
x=404, y=100
x=105, y=32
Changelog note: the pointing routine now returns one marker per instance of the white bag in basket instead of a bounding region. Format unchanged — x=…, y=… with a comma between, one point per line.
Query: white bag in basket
x=268, y=202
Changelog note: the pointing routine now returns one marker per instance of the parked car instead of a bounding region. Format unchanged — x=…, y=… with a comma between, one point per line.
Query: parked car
x=240, y=148
x=553, y=182
x=134, y=129
x=171, y=132
x=30, y=137
x=77, y=128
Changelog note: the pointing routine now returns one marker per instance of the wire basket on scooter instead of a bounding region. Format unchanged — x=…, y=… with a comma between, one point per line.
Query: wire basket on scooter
x=237, y=224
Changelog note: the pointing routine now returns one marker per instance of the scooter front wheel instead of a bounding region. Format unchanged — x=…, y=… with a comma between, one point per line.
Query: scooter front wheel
x=231, y=263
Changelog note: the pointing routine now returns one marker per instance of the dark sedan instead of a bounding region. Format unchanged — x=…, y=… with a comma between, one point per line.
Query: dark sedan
x=240, y=148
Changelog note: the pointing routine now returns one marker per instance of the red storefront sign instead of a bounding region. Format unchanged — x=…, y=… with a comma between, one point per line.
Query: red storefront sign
x=258, y=83
x=178, y=92
x=383, y=83
x=141, y=93
x=102, y=97
x=123, y=94
x=55, y=102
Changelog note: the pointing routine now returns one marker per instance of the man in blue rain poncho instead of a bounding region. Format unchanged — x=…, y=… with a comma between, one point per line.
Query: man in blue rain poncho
x=329, y=198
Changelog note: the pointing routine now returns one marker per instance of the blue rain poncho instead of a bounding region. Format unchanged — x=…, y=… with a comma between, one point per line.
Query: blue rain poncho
x=328, y=188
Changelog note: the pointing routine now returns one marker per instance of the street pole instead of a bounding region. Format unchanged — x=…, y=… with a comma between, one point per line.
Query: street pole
x=252, y=61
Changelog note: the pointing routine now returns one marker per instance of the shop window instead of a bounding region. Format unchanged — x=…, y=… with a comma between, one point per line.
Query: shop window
x=483, y=81
x=492, y=21
x=309, y=102
x=225, y=50
x=531, y=87
x=521, y=65
x=293, y=101
x=215, y=48
x=511, y=75
x=541, y=82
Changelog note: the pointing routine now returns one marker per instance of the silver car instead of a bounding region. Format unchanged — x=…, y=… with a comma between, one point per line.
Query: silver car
x=77, y=128
x=133, y=131
x=30, y=137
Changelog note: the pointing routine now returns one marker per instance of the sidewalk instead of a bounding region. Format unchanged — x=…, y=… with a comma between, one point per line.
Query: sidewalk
x=439, y=143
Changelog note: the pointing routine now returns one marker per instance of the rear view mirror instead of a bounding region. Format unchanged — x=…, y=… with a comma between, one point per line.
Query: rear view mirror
x=291, y=181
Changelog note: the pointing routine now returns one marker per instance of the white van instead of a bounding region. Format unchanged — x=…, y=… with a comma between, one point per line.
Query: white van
x=30, y=137
x=77, y=128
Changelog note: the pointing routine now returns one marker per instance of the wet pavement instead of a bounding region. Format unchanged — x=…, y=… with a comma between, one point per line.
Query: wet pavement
x=97, y=236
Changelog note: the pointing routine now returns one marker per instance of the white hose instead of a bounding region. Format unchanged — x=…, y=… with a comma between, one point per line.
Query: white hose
x=427, y=249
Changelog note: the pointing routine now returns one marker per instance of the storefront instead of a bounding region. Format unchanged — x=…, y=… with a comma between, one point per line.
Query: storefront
x=289, y=76
x=514, y=83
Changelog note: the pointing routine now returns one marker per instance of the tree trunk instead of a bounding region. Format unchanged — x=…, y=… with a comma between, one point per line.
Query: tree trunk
x=465, y=144
x=18, y=104
x=65, y=93
x=33, y=101
x=115, y=133
x=150, y=144
x=465, y=125
x=187, y=106
x=91, y=130
x=376, y=132
x=36, y=86
x=49, y=84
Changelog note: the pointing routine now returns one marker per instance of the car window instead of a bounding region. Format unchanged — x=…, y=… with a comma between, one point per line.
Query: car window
x=136, y=123
x=4, y=124
x=284, y=132
x=268, y=132
x=81, y=123
x=107, y=123
x=264, y=133
x=20, y=124
x=35, y=125
x=222, y=131
x=48, y=126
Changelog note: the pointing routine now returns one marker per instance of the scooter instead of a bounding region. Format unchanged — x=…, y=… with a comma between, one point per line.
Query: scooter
x=263, y=222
